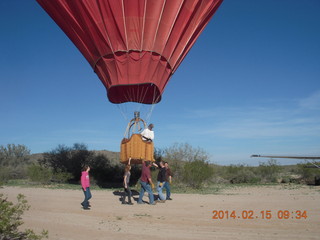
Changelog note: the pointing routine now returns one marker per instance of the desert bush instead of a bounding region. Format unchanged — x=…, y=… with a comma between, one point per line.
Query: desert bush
x=241, y=174
x=67, y=163
x=61, y=177
x=269, y=172
x=158, y=154
x=135, y=174
x=4, y=174
x=10, y=220
x=184, y=152
x=265, y=173
x=289, y=179
x=37, y=173
x=106, y=174
x=65, y=159
x=14, y=159
x=40, y=174
x=196, y=173
x=245, y=176
x=184, y=160
x=14, y=155
x=309, y=175
x=101, y=170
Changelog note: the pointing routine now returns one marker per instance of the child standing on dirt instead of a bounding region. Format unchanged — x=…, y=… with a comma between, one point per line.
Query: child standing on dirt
x=85, y=183
x=126, y=180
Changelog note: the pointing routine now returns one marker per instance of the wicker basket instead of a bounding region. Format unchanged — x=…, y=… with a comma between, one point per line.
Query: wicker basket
x=136, y=149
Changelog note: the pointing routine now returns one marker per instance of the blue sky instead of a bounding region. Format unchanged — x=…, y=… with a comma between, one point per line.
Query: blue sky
x=250, y=85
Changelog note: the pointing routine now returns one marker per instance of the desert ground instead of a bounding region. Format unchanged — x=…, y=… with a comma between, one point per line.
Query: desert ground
x=187, y=216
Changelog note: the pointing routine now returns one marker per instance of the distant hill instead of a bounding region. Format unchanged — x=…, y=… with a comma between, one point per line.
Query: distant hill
x=114, y=157
x=35, y=157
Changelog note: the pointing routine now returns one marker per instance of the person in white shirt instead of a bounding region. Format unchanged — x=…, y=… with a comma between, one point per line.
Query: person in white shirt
x=147, y=134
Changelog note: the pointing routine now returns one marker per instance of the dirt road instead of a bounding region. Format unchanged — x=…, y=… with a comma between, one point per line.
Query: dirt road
x=243, y=214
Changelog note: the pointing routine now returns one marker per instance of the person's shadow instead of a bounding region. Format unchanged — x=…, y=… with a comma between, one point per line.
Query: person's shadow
x=134, y=195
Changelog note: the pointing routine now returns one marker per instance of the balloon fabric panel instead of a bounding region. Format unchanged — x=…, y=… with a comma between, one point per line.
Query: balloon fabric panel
x=134, y=46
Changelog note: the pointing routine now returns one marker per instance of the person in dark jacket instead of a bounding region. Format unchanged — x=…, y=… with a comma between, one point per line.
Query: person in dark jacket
x=161, y=179
x=168, y=181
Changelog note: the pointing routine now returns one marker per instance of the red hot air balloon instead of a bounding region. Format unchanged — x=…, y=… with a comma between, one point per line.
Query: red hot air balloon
x=134, y=46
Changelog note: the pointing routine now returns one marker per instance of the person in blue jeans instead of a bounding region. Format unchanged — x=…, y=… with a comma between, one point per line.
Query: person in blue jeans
x=146, y=183
x=161, y=179
x=168, y=181
x=85, y=183
x=126, y=181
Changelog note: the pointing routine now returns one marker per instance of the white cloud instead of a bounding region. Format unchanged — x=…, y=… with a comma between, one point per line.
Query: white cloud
x=261, y=122
x=311, y=102
x=233, y=134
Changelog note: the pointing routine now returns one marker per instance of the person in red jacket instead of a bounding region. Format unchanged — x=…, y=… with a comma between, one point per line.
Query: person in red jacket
x=146, y=183
x=85, y=183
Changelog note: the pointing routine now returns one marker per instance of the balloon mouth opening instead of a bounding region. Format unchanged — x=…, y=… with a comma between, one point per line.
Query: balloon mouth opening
x=146, y=93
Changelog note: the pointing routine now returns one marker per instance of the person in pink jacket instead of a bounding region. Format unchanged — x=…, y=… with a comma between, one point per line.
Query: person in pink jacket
x=85, y=183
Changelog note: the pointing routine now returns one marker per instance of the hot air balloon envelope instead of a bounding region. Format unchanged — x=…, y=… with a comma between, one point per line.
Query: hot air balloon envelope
x=134, y=46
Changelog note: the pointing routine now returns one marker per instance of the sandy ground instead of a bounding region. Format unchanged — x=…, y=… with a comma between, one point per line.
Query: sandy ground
x=187, y=216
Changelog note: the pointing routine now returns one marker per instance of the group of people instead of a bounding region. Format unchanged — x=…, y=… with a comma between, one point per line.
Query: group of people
x=164, y=179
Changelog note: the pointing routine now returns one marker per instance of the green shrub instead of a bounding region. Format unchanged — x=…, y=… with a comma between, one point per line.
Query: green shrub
x=106, y=174
x=241, y=174
x=180, y=154
x=10, y=220
x=37, y=173
x=13, y=159
x=61, y=177
x=269, y=172
x=14, y=155
x=196, y=173
x=287, y=179
x=308, y=174
x=4, y=174
x=245, y=175
x=65, y=159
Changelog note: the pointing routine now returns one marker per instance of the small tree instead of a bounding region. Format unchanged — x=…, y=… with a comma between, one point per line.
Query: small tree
x=269, y=171
x=158, y=154
x=14, y=155
x=13, y=161
x=197, y=172
x=101, y=169
x=64, y=159
x=188, y=164
x=10, y=220
x=39, y=174
x=241, y=174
